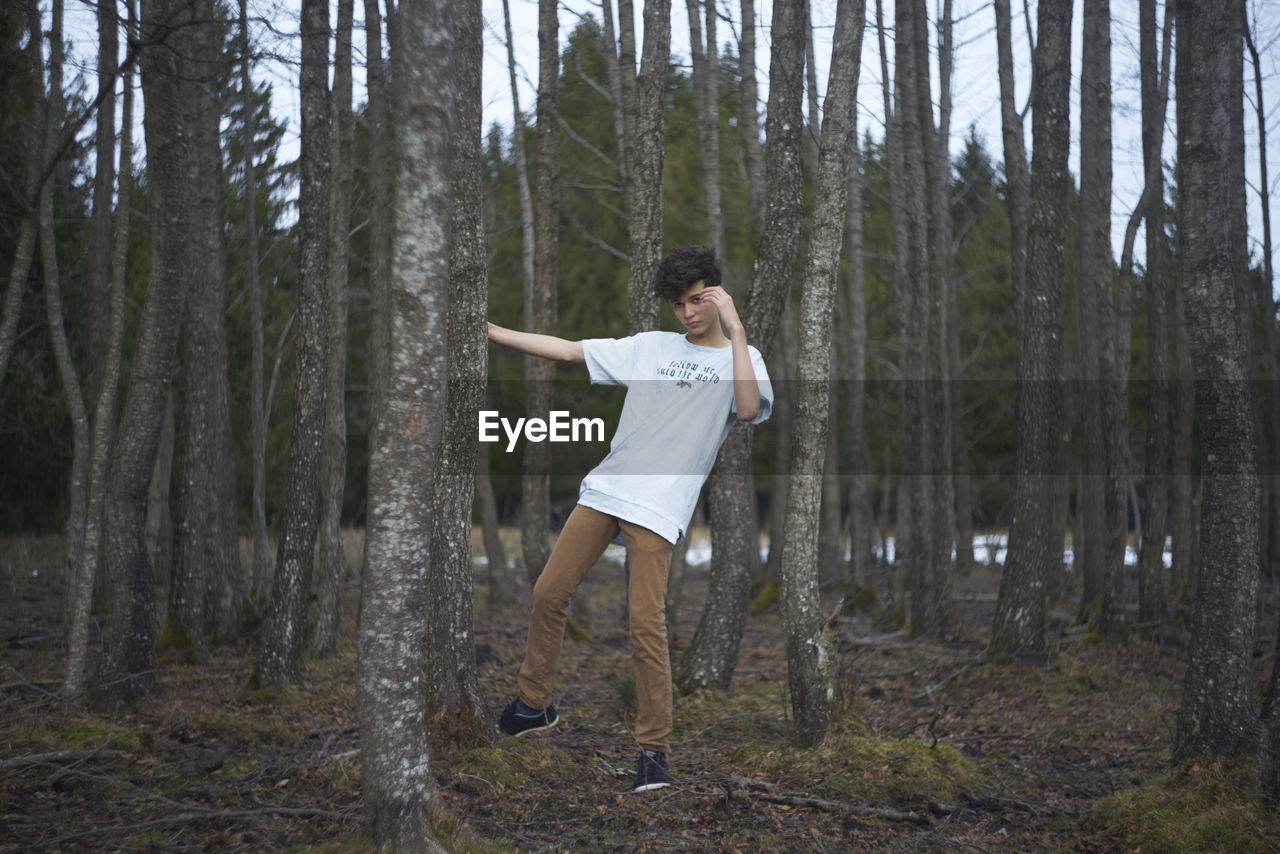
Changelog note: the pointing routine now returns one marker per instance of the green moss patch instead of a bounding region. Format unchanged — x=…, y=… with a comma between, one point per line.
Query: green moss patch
x=1205, y=807
x=864, y=769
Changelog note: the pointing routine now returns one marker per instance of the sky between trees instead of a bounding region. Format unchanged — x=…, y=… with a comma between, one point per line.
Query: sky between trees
x=976, y=99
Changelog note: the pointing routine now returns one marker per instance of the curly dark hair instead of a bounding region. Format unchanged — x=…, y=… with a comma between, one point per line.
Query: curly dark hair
x=682, y=268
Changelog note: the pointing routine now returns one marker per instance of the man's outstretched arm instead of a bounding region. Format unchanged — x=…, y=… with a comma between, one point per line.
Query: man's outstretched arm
x=546, y=346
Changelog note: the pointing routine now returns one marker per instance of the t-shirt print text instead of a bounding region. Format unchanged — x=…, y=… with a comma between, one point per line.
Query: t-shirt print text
x=685, y=373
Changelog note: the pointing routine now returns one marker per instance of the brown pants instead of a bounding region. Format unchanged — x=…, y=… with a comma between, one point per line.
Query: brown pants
x=583, y=540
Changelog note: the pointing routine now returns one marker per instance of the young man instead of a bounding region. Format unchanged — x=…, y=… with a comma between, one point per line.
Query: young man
x=684, y=393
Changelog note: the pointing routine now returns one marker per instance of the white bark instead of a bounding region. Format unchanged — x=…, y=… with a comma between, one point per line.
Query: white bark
x=395, y=766
x=810, y=652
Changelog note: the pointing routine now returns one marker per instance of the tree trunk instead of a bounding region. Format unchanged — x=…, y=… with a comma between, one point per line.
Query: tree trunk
x=1105, y=378
x=706, y=88
x=377, y=76
x=1094, y=295
x=710, y=660
x=1268, y=310
x=78, y=489
x=258, y=572
x=1185, y=512
x=938, y=617
x=811, y=91
x=206, y=588
x=1155, y=81
x=527, y=248
x=395, y=767
x=676, y=574
x=645, y=149
x=961, y=511
x=540, y=301
x=158, y=525
x=1217, y=714
x=332, y=568
x=750, y=119
x=98, y=248
x=24, y=246
x=901, y=512
x=861, y=479
x=279, y=657
x=810, y=641
x=500, y=591
x=454, y=699
x=128, y=668
x=77, y=630
x=914, y=118
x=829, y=533
x=1035, y=545
x=712, y=655
x=613, y=70
x=782, y=370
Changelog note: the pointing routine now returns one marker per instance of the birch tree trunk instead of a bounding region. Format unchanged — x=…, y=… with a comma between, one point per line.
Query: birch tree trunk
x=1035, y=545
x=937, y=617
x=128, y=667
x=961, y=512
x=750, y=118
x=1116, y=313
x=78, y=489
x=913, y=114
x=810, y=641
x=527, y=247
x=206, y=588
x=899, y=220
x=1155, y=82
x=613, y=70
x=77, y=631
x=1104, y=387
x=861, y=480
x=645, y=149
x=454, y=701
x=713, y=654
x=332, y=567
x=98, y=249
x=399, y=790
x=782, y=372
x=257, y=414
x=540, y=301
x=1217, y=715
x=500, y=586
x=279, y=657
x=706, y=88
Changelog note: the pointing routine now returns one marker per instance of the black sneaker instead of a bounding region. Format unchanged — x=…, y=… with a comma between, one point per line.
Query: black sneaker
x=518, y=719
x=652, y=772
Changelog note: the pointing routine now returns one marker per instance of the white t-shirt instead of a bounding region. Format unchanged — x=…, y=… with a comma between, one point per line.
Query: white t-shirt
x=678, y=410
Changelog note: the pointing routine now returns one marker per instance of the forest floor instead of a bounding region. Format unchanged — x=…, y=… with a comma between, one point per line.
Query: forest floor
x=935, y=748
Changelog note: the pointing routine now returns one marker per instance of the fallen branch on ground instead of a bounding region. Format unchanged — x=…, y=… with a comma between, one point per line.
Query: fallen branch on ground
x=768, y=792
x=994, y=803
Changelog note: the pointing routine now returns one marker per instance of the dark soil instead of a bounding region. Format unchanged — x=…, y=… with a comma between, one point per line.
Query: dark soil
x=934, y=749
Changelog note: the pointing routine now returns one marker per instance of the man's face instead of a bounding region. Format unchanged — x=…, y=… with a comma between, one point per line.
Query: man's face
x=697, y=315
